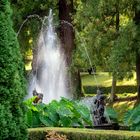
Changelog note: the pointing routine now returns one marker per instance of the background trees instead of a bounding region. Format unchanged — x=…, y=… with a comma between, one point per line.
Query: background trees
x=106, y=30
x=110, y=31
x=12, y=84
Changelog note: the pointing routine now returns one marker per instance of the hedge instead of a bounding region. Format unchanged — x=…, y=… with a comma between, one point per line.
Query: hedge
x=12, y=82
x=84, y=134
x=106, y=90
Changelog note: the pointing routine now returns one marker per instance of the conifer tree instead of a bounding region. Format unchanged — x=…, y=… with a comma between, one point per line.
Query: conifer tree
x=12, y=83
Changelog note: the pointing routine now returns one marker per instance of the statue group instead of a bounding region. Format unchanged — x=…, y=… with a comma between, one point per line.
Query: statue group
x=38, y=98
x=98, y=110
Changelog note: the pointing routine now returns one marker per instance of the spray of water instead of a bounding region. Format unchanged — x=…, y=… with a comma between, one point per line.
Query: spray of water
x=51, y=72
x=50, y=67
x=90, y=63
x=29, y=17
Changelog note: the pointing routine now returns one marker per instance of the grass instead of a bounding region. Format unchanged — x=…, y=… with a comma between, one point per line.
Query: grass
x=103, y=79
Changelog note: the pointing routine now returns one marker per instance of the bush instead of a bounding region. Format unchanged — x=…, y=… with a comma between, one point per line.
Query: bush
x=106, y=90
x=12, y=84
x=85, y=134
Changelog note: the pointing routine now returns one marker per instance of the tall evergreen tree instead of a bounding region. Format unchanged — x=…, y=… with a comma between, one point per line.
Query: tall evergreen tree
x=12, y=84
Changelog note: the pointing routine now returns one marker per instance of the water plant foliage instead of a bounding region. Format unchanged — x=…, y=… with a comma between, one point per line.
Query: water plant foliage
x=132, y=118
x=63, y=113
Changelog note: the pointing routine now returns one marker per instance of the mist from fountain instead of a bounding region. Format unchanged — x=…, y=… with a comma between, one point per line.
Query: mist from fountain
x=47, y=42
x=50, y=77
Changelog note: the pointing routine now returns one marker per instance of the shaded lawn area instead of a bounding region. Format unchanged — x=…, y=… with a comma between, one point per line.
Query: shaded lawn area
x=98, y=79
x=104, y=81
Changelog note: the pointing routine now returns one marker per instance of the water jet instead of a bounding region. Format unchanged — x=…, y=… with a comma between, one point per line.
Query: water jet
x=50, y=74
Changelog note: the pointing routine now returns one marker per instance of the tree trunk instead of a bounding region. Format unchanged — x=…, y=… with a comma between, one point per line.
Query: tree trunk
x=113, y=89
x=76, y=80
x=66, y=28
x=138, y=76
x=137, y=22
x=67, y=42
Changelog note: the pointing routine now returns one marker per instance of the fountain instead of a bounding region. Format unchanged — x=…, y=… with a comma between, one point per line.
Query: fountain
x=50, y=75
x=49, y=78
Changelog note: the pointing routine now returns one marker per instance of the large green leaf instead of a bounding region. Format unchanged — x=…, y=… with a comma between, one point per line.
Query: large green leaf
x=52, y=114
x=65, y=121
x=128, y=117
x=29, y=102
x=63, y=113
x=29, y=118
x=132, y=118
x=36, y=120
x=137, y=120
x=84, y=113
x=111, y=113
x=46, y=121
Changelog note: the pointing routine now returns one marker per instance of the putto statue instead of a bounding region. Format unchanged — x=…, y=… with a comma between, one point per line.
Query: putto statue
x=98, y=111
x=39, y=97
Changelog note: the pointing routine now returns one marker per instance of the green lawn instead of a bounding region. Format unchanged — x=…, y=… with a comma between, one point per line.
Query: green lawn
x=103, y=79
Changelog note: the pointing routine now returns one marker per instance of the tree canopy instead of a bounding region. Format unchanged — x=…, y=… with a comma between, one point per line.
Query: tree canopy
x=106, y=31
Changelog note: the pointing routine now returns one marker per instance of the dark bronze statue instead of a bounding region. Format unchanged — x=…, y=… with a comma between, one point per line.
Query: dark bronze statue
x=39, y=97
x=98, y=111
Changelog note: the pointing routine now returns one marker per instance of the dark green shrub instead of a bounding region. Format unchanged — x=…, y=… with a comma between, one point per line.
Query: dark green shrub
x=12, y=84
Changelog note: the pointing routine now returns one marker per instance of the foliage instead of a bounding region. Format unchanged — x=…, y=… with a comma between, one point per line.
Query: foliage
x=132, y=118
x=112, y=114
x=64, y=113
x=122, y=58
x=119, y=89
x=85, y=134
x=12, y=84
x=110, y=44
